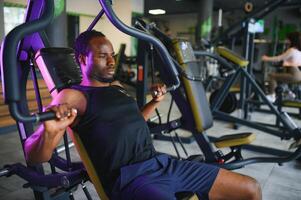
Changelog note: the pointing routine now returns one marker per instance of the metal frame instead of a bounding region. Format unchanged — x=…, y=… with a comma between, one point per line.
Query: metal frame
x=236, y=28
x=23, y=41
x=204, y=141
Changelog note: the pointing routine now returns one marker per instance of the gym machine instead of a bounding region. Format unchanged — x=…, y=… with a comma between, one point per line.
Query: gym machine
x=196, y=115
x=17, y=64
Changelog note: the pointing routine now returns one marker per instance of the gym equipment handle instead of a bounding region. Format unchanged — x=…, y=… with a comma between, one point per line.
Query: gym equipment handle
x=168, y=89
x=65, y=179
x=36, y=117
x=9, y=65
x=106, y=5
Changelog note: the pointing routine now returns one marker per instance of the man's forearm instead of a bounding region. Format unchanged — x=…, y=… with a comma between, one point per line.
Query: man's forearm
x=149, y=108
x=39, y=146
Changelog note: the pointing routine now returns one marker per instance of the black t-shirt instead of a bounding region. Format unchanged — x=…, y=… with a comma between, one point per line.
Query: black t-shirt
x=113, y=131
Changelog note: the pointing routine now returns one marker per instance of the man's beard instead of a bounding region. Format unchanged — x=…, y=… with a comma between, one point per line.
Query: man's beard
x=102, y=79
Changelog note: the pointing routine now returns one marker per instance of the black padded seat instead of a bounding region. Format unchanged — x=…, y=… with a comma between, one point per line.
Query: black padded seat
x=197, y=98
x=58, y=67
x=195, y=92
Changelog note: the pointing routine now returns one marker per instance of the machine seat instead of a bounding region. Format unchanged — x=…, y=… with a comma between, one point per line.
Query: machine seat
x=233, y=140
x=232, y=56
x=291, y=103
x=235, y=89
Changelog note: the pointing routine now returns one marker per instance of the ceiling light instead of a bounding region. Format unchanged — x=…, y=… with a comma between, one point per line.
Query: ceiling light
x=157, y=12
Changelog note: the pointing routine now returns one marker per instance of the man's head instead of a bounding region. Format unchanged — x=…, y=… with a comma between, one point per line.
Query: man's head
x=294, y=39
x=95, y=54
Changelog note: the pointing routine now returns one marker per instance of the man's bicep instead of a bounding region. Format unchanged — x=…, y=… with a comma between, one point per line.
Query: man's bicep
x=75, y=99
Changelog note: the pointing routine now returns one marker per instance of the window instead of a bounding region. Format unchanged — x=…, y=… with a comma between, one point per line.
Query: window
x=13, y=16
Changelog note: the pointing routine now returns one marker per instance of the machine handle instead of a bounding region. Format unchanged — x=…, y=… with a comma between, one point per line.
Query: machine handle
x=44, y=116
x=9, y=65
x=106, y=5
x=36, y=117
x=168, y=89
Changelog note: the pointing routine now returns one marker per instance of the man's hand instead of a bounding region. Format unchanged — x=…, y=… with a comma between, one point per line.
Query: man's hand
x=64, y=117
x=40, y=145
x=264, y=58
x=158, y=92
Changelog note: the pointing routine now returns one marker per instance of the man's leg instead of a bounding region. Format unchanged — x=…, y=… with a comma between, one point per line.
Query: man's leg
x=149, y=188
x=279, y=77
x=230, y=185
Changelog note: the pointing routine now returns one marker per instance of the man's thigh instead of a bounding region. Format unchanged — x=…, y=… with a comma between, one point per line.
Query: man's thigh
x=194, y=177
x=149, y=188
x=282, y=77
x=176, y=176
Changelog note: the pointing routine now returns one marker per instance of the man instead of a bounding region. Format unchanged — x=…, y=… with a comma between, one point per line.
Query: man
x=117, y=139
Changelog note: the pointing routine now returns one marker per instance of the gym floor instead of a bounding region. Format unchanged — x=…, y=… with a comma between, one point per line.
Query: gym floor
x=277, y=182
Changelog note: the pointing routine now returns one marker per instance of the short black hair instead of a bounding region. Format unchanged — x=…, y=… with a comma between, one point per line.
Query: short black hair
x=295, y=39
x=82, y=42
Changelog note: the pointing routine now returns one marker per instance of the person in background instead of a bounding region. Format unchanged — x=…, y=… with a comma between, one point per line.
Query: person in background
x=291, y=59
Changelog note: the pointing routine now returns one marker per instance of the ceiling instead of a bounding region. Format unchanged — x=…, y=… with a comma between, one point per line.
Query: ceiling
x=191, y=6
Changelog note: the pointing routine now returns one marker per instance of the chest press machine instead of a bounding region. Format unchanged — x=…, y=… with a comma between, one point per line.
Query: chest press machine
x=195, y=94
x=16, y=65
x=197, y=116
x=59, y=71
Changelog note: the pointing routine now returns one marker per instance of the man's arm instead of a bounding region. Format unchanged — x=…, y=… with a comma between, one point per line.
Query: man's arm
x=40, y=145
x=149, y=108
x=281, y=57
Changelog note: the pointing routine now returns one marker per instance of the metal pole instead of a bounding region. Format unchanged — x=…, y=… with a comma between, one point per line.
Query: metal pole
x=1, y=20
x=204, y=21
x=57, y=30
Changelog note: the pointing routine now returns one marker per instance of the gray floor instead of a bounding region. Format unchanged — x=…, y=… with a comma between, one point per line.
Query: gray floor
x=277, y=182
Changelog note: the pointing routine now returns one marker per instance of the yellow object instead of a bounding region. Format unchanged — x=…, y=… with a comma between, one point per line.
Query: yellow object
x=232, y=56
x=235, y=89
x=294, y=104
x=194, y=197
x=88, y=164
x=235, y=140
x=189, y=91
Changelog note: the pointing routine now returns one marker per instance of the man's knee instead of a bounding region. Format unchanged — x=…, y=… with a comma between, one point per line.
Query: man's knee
x=253, y=189
x=231, y=185
x=271, y=75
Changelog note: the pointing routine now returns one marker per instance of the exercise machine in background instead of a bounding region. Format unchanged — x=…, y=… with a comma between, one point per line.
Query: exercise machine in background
x=196, y=115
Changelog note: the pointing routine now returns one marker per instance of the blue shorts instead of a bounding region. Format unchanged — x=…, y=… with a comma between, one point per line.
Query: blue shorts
x=161, y=177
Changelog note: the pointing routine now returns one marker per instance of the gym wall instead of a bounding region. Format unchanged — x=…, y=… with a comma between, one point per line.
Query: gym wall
x=87, y=10
x=183, y=25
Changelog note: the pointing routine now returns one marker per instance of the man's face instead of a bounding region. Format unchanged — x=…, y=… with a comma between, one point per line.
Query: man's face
x=100, y=58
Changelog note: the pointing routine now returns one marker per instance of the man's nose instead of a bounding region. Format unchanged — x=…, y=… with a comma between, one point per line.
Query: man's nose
x=111, y=60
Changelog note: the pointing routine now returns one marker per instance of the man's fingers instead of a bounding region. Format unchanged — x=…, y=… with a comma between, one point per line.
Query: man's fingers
x=158, y=89
x=73, y=114
x=62, y=111
x=55, y=109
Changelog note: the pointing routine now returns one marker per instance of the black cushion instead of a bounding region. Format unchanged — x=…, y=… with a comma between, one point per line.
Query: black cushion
x=61, y=66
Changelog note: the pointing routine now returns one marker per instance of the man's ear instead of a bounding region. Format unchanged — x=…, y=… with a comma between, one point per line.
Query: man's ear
x=82, y=59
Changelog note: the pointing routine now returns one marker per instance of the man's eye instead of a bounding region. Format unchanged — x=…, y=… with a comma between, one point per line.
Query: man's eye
x=102, y=56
